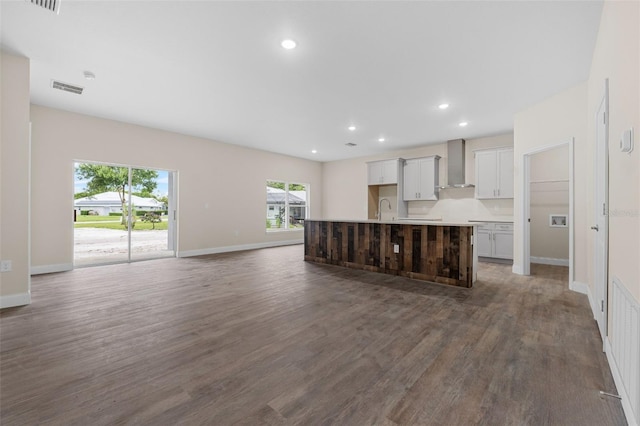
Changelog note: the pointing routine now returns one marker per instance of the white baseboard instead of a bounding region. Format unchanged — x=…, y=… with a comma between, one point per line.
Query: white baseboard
x=49, y=269
x=583, y=288
x=580, y=288
x=550, y=261
x=617, y=379
x=517, y=269
x=12, y=300
x=241, y=247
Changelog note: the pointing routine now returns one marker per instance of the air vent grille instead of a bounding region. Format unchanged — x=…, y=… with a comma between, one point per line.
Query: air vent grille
x=66, y=87
x=52, y=5
x=350, y=144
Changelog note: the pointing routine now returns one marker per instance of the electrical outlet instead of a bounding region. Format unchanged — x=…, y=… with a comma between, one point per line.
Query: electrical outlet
x=396, y=248
x=5, y=266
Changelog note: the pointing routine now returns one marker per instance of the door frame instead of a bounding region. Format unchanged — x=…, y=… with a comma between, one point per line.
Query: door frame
x=172, y=230
x=525, y=210
x=602, y=290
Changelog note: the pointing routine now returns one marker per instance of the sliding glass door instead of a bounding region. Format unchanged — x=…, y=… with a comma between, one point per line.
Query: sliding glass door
x=122, y=214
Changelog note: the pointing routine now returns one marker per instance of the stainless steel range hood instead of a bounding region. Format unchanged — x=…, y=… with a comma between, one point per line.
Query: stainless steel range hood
x=455, y=165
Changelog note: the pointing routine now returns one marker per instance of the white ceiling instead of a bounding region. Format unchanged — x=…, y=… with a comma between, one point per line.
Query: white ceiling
x=216, y=69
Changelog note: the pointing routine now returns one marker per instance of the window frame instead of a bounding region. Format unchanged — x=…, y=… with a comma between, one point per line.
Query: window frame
x=307, y=205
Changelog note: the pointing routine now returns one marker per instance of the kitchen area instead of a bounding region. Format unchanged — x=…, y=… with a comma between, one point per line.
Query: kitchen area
x=426, y=218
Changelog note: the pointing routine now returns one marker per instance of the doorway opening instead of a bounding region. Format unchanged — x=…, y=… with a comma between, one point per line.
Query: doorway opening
x=548, y=207
x=122, y=213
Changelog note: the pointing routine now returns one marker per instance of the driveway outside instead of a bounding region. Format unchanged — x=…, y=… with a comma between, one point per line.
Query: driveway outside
x=95, y=245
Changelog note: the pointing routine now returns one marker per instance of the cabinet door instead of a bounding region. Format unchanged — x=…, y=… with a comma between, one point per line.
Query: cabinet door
x=486, y=174
x=389, y=172
x=427, y=188
x=505, y=173
x=503, y=245
x=411, y=173
x=374, y=173
x=484, y=243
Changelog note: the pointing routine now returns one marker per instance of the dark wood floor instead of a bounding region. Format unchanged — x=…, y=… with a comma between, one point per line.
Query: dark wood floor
x=262, y=337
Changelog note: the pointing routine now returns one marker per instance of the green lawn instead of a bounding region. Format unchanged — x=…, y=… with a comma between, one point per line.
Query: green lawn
x=113, y=222
x=88, y=218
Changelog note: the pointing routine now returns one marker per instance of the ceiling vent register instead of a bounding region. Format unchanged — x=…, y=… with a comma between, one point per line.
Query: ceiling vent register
x=350, y=144
x=66, y=87
x=52, y=5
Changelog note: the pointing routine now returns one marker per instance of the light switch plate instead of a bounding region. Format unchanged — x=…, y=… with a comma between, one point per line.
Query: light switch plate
x=5, y=266
x=396, y=248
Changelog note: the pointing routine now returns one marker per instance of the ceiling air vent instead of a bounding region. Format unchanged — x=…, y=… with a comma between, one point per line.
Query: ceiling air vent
x=52, y=5
x=350, y=144
x=66, y=87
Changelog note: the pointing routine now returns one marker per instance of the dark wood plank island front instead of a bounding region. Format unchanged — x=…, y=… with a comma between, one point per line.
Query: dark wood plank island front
x=441, y=253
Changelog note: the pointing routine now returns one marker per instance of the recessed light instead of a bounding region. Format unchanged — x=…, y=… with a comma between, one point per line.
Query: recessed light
x=313, y=151
x=443, y=106
x=463, y=124
x=288, y=44
x=352, y=128
x=381, y=140
x=89, y=75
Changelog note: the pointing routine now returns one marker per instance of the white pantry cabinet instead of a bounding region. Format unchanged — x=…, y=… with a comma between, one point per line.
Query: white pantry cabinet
x=494, y=173
x=421, y=177
x=384, y=172
x=495, y=240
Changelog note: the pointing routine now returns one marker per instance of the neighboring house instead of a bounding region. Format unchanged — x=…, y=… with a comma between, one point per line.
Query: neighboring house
x=276, y=202
x=109, y=202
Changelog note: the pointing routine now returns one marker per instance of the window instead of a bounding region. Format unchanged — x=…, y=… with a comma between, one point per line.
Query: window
x=287, y=205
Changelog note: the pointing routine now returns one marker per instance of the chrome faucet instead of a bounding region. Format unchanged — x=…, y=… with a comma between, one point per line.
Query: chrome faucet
x=379, y=215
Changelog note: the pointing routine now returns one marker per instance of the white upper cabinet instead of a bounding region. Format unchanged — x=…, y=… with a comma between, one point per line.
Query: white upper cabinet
x=421, y=177
x=383, y=172
x=494, y=173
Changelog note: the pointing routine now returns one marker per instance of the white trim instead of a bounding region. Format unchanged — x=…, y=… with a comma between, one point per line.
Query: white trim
x=617, y=379
x=12, y=300
x=550, y=261
x=49, y=269
x=517, y=269
x=582, y=288
x=241, y=247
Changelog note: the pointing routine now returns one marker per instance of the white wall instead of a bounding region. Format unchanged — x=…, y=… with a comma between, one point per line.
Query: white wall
x=14, y=179
x=221, y=187
x=345, y=186
x=617, y=57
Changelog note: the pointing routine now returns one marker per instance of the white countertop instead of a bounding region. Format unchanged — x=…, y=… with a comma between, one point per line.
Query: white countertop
x=429, y=221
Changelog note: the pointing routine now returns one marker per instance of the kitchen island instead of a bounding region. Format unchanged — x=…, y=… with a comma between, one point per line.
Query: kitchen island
x=441, y=252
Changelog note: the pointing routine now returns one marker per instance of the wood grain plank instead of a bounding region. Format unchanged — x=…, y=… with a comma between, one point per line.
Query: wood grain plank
x=261, y=337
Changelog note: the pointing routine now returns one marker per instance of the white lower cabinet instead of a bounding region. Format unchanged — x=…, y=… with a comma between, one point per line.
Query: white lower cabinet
x=495, y=240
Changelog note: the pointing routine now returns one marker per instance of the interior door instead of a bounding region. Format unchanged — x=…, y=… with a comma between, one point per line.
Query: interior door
x=601, y=226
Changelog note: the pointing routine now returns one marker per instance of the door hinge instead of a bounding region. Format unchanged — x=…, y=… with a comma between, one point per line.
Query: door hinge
x=602, y=306
x=604, y=209
x=604, y=118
